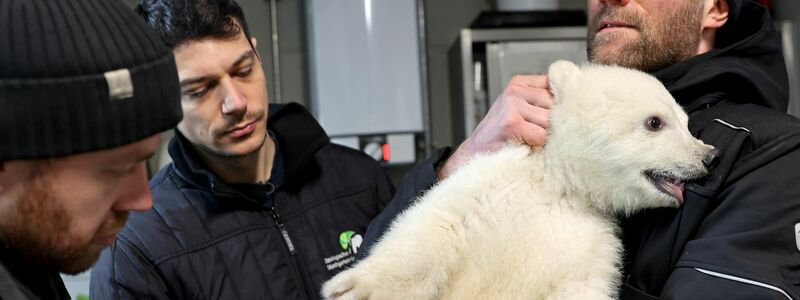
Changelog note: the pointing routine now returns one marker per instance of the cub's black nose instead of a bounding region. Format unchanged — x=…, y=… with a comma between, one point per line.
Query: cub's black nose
x=712, y=158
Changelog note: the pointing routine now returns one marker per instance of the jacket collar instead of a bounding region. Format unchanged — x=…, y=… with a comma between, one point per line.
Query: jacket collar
x=746, y=66
x=298, y=137
x=19, y=280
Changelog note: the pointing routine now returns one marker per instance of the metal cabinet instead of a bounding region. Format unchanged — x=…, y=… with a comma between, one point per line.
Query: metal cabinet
x=490, y=57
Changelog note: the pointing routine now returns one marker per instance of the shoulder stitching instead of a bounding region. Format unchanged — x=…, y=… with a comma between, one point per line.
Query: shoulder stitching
x=135, y=248
x=169, y=169
x=210, y=243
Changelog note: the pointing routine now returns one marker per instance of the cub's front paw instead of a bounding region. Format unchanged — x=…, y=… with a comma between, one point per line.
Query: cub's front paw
x=347, y=285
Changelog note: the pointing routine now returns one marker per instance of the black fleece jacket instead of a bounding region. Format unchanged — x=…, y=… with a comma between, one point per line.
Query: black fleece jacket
x=737, y=236
x=22, y=280
x=207, y=239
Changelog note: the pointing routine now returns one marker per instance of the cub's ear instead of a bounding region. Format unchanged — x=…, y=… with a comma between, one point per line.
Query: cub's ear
x=560, y=74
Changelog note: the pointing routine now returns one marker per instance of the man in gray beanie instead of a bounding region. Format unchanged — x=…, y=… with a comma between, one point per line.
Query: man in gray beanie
x=85, y=88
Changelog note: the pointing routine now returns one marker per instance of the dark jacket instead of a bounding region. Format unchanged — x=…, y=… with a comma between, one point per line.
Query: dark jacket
x=23, y=281
x=205, y=239
x=736, y=236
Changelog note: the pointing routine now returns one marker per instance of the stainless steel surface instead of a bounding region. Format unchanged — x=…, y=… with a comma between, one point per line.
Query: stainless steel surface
x=523, y=5
x=470, y=101
x=467, y=81
x=506, y=59
x=787, y=16
x=365, y=66
x=528, y=34
x=276, y=59
x=790, y=33
x=423, y=70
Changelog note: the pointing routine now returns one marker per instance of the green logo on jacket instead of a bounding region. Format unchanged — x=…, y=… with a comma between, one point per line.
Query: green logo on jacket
x=350, y=240
x=344, y=239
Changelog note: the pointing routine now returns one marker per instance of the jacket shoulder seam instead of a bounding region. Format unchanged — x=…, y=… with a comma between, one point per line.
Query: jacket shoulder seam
x=331, y=198
x=133, y=247
x=167, y=173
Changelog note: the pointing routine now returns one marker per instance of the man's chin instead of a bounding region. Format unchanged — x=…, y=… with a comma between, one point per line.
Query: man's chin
x=80, y=262
x=616, y=52
x=241, y=148
x=604, y=58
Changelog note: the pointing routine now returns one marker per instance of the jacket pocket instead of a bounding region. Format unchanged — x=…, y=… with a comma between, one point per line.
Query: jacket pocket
x=692, y=282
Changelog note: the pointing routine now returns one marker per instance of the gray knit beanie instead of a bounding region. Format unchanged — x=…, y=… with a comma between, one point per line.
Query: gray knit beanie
x=80, y=75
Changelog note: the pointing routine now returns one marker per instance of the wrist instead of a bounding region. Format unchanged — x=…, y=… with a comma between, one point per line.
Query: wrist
x=448, y=164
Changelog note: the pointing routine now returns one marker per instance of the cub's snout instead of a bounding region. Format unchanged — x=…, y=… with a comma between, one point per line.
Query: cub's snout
x=711, y=159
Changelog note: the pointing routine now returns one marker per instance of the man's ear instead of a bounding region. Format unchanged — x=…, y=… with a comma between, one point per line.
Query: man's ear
x=715, y=14
x=254, y=42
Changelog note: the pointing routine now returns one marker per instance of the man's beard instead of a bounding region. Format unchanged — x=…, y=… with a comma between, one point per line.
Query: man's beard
x=38, y=231
x=659, y=44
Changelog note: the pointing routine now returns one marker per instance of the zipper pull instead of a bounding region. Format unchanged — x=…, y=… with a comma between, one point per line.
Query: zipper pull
x=282, y=228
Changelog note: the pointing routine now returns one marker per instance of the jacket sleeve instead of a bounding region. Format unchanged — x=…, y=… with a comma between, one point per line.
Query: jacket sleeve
x=385, y=189
x=748, y=247
x=418, y=180
x=123, y=272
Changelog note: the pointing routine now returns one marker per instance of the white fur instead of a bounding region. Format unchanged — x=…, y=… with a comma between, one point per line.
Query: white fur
x=538, y=224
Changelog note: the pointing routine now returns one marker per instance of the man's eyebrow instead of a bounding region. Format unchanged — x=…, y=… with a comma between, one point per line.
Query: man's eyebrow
x=138, y=156
x=245, y=56
x=250, y=54
x=191, y=81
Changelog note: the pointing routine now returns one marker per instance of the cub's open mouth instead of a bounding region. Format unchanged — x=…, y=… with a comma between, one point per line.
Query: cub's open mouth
x=667, y=184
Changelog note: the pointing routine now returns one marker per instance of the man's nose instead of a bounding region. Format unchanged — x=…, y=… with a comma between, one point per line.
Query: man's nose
x=233, y=101
x=135, y=193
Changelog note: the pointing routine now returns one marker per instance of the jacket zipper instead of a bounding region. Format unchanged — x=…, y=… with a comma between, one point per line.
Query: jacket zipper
x=295, y=264
x=285, y=233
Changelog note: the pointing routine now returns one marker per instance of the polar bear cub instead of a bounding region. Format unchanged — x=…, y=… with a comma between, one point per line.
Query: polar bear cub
x=528, y=223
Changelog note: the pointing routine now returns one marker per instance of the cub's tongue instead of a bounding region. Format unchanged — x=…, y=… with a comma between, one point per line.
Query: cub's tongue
x=676, y=189
x=668, y=184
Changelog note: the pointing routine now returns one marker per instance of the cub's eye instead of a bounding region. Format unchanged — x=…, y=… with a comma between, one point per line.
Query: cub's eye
x=653, y=123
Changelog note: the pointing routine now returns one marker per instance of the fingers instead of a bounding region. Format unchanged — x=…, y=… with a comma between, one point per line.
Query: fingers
x=536, y=115
x=519, y=115
x=518, y=122
x=539, y=97
x=534, y=89
x=531, y=134
x=524, y=96
x=527, y=124
x=534, y=81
